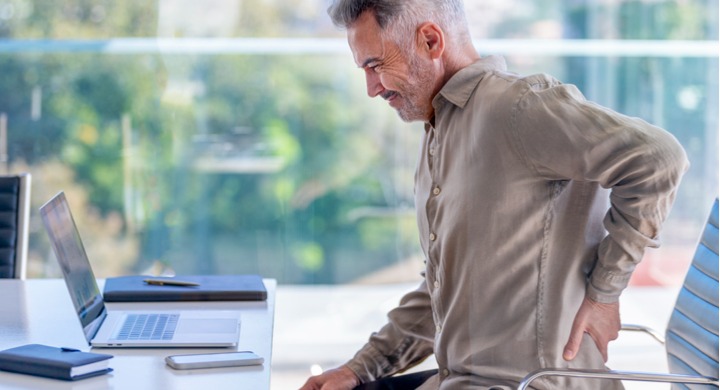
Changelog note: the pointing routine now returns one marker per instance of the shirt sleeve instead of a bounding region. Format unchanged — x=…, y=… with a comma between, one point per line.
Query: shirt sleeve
x=406, y=340
x=562, y=136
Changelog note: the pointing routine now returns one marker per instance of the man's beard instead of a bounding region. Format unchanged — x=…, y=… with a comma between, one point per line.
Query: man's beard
x=415, y=97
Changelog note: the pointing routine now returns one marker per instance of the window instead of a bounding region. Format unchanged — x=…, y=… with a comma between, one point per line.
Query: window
x=235, y=136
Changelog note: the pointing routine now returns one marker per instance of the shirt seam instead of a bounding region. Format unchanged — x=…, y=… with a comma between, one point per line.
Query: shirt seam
x=514, y=133
x=555, y=189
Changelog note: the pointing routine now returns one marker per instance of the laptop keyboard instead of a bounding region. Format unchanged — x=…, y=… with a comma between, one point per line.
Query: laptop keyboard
x=148, y=327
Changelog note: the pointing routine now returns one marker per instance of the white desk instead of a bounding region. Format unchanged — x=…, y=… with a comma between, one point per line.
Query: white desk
x=39, y=311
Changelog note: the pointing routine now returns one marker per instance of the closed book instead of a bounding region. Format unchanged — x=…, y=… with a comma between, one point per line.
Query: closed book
x=136, y=288
x=53, y=362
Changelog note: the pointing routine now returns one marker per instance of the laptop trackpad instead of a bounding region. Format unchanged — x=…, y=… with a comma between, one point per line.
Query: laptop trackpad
x=219, y=325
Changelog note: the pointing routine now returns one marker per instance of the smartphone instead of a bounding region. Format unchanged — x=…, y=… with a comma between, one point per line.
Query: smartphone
x=208, y=360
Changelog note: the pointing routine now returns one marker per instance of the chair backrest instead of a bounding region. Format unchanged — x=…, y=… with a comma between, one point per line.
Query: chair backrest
x=14, y=217
x=692, y=332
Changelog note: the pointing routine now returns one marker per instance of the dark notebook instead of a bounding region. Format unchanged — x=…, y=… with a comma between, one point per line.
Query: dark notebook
x=52, y=362
x=246, y=287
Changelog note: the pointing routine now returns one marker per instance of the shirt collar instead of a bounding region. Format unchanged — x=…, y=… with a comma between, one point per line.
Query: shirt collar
x=461, y=85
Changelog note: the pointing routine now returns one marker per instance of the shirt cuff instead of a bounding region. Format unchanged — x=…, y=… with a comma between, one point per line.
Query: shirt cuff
x=604, y=287
x=369, y=364
x=618, y=255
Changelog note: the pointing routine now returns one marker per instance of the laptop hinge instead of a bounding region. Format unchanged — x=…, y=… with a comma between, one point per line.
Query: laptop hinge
x=93, y=327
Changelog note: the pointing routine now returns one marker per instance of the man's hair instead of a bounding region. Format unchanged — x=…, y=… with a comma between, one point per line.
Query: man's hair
x=398, y=19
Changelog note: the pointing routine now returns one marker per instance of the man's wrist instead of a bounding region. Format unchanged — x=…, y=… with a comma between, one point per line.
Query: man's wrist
x=351, y=373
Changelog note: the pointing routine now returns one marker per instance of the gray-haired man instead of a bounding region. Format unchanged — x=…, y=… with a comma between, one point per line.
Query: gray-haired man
x=533, y=206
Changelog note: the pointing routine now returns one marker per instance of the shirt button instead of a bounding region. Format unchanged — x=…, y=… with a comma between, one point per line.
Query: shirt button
x=432, y=237
x=436, y=284
x=438, y=329
x=446, y=372
x=436, y=191
x=432, y=151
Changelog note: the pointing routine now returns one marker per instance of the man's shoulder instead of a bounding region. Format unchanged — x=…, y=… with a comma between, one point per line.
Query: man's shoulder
x=508, y=81
x=506, y=90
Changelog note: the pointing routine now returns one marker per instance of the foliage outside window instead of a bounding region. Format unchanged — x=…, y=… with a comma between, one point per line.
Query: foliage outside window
x=248, y=151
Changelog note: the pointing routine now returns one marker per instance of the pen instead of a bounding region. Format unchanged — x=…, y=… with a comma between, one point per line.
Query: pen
x=170, y=282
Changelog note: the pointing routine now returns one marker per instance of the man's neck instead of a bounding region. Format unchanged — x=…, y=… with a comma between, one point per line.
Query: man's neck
x=458, y=59
x=452, y=62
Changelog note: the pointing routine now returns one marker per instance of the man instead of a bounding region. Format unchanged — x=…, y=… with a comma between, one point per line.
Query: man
x=525, y=256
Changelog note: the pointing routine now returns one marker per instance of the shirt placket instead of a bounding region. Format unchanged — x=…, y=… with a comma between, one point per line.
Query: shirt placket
x=434, y=278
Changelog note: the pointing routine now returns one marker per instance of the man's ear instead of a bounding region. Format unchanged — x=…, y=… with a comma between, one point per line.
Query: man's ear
x=431, y=39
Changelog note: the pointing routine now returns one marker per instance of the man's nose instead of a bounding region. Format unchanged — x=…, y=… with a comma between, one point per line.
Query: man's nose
x=374, y=85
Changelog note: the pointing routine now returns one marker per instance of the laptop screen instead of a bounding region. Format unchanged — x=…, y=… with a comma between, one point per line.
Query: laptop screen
x=71, y=256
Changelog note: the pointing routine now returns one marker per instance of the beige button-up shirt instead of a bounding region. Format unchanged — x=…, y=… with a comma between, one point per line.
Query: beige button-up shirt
x=528, y=198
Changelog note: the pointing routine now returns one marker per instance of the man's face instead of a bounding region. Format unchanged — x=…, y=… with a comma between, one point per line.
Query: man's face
x=405, y=80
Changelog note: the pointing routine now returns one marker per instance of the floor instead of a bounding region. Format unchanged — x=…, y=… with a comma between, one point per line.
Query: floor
x=319, y=327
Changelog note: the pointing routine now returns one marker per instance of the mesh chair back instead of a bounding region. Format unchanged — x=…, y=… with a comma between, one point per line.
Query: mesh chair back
x=692, y=332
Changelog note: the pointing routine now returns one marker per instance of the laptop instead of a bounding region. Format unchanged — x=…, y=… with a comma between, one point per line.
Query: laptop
x=129, y=328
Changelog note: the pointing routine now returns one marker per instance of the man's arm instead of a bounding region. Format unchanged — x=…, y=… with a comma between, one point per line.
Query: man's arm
x=406, y=340
x=564, y=137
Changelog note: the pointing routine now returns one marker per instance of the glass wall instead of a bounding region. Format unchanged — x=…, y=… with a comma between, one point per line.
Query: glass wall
x=232, y=136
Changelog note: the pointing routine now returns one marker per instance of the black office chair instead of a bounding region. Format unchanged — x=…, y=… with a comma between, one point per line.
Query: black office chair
x=14, y=216
x=692, y=332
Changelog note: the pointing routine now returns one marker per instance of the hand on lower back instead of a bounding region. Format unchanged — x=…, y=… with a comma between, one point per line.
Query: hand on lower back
x=600, y=320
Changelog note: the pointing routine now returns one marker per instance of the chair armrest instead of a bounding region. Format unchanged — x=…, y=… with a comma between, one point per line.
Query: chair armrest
x=644, y=329
x=613, y=374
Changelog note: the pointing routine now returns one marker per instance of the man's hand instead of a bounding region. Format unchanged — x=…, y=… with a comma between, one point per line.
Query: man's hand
x=341, y=378
x=600, y=320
